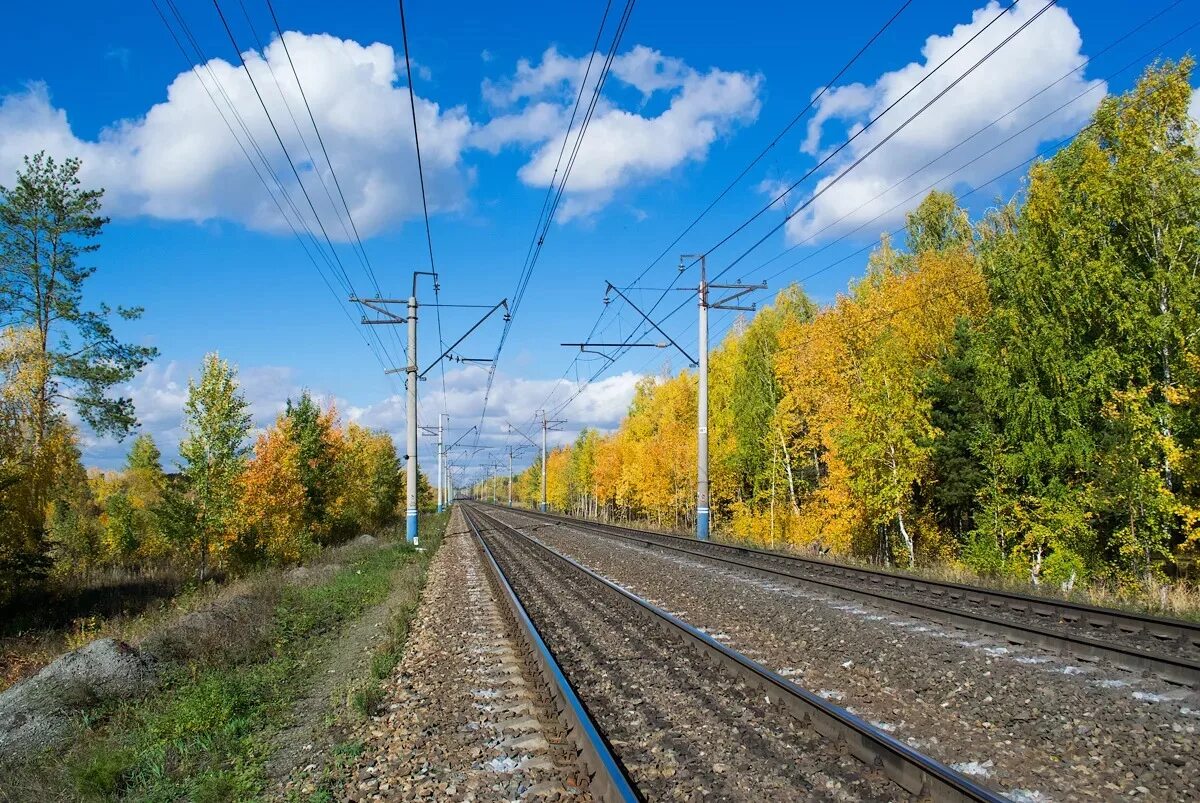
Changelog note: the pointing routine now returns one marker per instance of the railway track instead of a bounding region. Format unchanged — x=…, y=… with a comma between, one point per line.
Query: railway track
x=1166, y=648
x=652, y=721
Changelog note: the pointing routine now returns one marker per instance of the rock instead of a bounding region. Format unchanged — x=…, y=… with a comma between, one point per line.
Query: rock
x=34, y=712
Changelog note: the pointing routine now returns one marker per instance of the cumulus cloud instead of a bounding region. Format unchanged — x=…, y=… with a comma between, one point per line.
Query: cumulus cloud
x=1194, y=107
x=1043, y=52
x=178, y=161
x=622, y=147
x=160, y=391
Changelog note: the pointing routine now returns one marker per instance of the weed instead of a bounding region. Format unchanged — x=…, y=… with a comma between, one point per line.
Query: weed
x=367, y=698
x=102, y=775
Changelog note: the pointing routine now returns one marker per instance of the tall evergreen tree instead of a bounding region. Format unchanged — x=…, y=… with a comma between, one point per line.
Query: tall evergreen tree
x=48, y=223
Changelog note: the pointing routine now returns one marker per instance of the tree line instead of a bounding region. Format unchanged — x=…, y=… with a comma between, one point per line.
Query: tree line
x=234, y=501
x=1020, y=393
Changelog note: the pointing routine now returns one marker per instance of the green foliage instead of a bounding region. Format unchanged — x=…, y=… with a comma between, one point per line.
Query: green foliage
x=311, y=428
x=983, y=555
x=959, y=417
x=102, y=775
x=217, y=424
x=47, y=223
x=1095, y=301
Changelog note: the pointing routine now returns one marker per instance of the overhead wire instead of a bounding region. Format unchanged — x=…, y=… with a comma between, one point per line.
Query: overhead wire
x=549, y=210
x=351, y=231
x=742, y=174
x=838, y=177
x=1042, y=153
x=201, y=59
x=412, y=106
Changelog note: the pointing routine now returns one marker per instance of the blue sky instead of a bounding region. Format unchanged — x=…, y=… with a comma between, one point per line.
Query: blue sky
x=696, y=92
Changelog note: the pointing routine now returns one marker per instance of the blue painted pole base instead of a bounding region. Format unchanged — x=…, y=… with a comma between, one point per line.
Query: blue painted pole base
x=702, y=524
x=441, y=508
x=543, y=507
x=411, y=526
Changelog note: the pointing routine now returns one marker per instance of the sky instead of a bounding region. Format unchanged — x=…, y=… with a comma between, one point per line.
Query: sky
x=695, y=92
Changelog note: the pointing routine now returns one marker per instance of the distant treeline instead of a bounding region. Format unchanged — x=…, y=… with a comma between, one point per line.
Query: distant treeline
x=1021, y=394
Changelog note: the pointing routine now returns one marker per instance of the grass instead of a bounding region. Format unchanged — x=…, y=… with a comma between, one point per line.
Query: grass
x=206, y=734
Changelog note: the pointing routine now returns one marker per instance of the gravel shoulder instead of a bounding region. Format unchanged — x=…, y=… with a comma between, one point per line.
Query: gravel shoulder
x=1029, y=723
x=463, y=718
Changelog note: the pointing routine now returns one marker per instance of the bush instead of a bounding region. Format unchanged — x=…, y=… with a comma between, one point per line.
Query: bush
x=983, y=555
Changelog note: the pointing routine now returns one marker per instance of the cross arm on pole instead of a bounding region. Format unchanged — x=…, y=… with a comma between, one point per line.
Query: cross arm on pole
x=650, y=321
x=488, y=314
x=380, y=305
x=532, y=443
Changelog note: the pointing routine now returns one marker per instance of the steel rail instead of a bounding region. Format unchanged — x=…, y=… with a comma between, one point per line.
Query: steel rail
x=1174, y=669
x=608, y=781
x=915, y=772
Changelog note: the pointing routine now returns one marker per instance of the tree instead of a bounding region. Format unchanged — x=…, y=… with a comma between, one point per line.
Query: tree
x=214, y=450
x=315, y=433
x=47, y=223
x=1096, y=304
x=145, y=483
x=271, y=507
x=370, y=481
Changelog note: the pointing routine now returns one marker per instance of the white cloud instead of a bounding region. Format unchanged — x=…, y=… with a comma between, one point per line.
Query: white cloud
x=179, y=162
x=1194, y=107
x=1040, y=54
x=621, y=147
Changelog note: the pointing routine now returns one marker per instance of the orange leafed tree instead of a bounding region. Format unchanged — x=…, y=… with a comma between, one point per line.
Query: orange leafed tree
x=272, y=504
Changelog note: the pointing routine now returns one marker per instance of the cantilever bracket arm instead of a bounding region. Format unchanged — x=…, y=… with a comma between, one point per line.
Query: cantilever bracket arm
x=648, y=320
x=380, y=305
x=742, y=289
x=460, y=437
x=511, y=428
x=486, y=315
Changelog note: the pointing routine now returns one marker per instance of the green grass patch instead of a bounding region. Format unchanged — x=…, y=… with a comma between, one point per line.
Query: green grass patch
x=206, y=734
x=202, y=738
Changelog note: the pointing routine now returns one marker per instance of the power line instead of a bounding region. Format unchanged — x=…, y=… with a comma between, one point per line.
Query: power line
x=543, y=227
x=202, y=59
x=852, y=166
x=282, y=145
x=321, y=141
x=360, y=251
x=412, y=106
x=1044, y=152
x=745, y=171
x=791, y=124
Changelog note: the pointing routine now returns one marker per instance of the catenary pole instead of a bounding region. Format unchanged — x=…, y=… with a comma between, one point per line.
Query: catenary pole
x=702, y=414
x=705, y=304
x=442, y=499
x=543, y=461
x=411, y=371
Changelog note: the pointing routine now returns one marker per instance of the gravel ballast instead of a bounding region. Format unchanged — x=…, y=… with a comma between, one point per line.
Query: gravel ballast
x=464, y=717
x=1029, y=723
x=683, y=729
